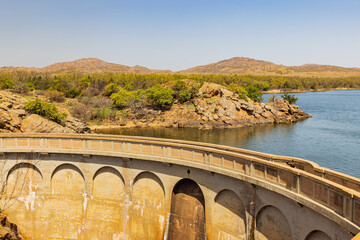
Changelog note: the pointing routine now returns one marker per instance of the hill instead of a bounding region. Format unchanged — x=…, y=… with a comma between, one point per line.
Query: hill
x=322, y=68
x=94, y=65
x=249, y=66
x=236, y=65
x=87, y=65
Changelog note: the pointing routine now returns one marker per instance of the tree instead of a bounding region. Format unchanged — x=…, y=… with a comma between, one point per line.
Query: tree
x=254, y=93
x=132, y=99
x=160, y=97
x=290, y=98
x=122, y=98
x=180, y=85
x=111, y=88
x=240, y=91
x=16, y=180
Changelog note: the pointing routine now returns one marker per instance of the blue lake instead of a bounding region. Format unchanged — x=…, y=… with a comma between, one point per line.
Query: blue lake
x=330, y=138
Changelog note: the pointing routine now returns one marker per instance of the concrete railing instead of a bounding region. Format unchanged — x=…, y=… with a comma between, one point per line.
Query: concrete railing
x=334, y=194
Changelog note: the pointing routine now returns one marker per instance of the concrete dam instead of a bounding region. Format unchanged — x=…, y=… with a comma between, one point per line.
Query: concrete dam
x=68, y=186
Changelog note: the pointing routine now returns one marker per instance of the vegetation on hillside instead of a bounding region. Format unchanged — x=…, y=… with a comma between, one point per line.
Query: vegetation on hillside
x=99, y=96
x=45, y=109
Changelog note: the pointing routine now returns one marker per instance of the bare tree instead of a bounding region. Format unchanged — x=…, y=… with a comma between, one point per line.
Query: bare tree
x=16, y=178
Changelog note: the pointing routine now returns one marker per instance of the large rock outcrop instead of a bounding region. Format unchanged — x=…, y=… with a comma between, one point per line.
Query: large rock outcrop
x=13, y=118
x=8, y=230
x=217, y=107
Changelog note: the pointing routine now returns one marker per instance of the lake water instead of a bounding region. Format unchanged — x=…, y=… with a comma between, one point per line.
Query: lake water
x=330, y=138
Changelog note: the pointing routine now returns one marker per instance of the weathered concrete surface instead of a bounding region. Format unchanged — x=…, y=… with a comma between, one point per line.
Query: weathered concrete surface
x=187, y=219
x=101, y=195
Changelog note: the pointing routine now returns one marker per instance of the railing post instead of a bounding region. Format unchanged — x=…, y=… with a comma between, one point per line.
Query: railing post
x=251, y=168
x=265, y=172
x=352, y=209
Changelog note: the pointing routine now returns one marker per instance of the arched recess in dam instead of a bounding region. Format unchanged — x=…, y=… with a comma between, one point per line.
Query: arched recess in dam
x=22, y=180
x=187, y=219
x=317, y=235
x=147, y=214
x=106, y=204
x=271, y=224
x=66, y=203
x=229, y=218
x=23, y=185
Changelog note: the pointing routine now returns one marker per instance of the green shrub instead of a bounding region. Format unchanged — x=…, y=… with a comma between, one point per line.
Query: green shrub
x=55, y=96
x=238, y=90
x=8, y=83
x=104, y=113
x=184, y=95
x=160, y=96
x=111, y=88
x=290, y=98
x=254, y=93
x=122, y=98
x=30, y=86
x=183, y=92
x=180, y=85
x=73, y=93
x=129, y=87
x=46, y=110
x=194, y=88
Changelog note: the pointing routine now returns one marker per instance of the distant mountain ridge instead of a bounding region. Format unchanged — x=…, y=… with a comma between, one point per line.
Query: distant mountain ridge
x=88, y=65
x=249, y=66
x=236, y=65
x=94, y=65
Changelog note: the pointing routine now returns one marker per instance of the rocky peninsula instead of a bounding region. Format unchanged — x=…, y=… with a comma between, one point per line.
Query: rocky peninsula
x=214, y=106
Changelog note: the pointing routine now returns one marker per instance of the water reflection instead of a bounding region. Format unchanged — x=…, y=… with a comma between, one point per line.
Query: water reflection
x=239, y=137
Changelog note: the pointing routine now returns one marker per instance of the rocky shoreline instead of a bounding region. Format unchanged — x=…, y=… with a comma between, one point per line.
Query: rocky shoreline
x=280, y=91
x=214, y=107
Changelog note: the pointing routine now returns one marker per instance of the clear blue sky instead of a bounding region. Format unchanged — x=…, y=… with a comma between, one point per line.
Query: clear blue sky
x=177, y=34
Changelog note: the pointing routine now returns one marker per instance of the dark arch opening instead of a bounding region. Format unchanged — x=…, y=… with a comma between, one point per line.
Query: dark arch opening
x=317, y=235
x=187, y=219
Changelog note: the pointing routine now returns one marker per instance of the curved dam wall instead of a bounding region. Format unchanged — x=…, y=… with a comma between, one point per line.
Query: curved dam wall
x=107, y=187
